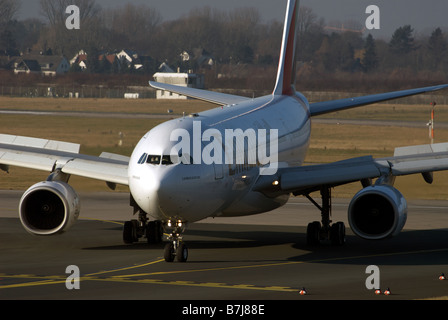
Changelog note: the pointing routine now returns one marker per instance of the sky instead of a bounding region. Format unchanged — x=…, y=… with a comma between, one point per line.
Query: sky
x=423, y=15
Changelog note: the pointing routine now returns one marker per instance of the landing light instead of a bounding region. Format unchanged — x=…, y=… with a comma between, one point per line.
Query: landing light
x=275, y=183
x=177, y=223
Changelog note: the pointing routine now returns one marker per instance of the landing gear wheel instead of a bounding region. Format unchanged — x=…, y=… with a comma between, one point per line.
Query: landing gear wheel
x=337, y=234
x=324, y=232
x=154, y=232
x=182, y=252
x=169, y=252
x=130, y=231
x=313, y=233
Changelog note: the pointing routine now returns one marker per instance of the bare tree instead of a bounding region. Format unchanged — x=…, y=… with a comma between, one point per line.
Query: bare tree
x=54, y=10
x=63, y=41
x=8, y=8
x=131, y=25
x=307, y=18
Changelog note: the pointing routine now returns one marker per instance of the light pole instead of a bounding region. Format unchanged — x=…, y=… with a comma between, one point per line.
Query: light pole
x=431, y=123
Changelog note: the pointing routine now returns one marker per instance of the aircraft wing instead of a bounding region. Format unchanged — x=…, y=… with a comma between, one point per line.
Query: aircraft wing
x=205, y=95
x=423, y=159
x=49, y=155
x=318, y=108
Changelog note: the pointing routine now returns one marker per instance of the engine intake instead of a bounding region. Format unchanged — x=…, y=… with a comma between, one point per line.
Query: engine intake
x=377, y=212
x=49, y=207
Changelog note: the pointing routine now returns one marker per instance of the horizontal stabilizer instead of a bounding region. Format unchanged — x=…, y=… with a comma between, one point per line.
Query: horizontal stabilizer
x=205, y=95
x=319, y=108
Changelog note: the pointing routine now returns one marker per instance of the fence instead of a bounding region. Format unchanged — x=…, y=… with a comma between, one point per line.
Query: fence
x=148, y=93
x=76, y=91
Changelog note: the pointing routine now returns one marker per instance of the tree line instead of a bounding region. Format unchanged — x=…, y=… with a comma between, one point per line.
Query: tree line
x=241, y=44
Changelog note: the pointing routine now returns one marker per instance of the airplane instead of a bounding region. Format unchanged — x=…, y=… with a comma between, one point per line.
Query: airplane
x=171, y=186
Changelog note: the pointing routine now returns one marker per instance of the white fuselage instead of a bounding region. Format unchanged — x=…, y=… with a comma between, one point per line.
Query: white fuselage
x=192, y=192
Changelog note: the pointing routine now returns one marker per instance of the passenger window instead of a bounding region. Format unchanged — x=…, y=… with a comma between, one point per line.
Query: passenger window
x=152, y=159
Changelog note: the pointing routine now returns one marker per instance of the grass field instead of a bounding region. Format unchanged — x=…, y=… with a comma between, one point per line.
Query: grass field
x=330, y=142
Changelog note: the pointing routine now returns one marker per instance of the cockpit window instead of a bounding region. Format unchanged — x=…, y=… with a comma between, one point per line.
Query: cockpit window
x=166, y=160
x=142, y=159
x=157, y=160
x=153, y=159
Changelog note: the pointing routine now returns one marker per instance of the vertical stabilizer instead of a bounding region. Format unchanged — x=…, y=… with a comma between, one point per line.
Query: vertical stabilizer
x=285, y=84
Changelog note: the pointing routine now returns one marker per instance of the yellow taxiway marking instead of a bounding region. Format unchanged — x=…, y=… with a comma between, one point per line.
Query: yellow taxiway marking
x=133, y=278
x=125, y=268
x=101, y=220
x=46, y=281
x=279, y=263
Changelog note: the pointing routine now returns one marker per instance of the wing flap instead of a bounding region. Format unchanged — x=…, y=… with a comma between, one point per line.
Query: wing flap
x=419, y=159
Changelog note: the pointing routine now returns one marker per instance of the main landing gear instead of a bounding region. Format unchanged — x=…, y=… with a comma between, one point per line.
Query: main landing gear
x=133, y=230
x=318, y=232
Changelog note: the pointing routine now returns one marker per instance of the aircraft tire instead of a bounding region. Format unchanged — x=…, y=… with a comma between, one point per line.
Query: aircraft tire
x=337, y=234
x=182, y=252
x=169, y=252
x=313, y=233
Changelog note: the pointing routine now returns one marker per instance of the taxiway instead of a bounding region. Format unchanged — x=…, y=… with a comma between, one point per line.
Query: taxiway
x=263, y=257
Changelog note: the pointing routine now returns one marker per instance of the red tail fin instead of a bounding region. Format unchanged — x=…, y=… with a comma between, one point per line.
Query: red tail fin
x=285, y=84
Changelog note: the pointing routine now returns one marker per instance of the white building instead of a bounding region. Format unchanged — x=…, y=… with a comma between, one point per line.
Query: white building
x=191, y=80
x=46, y=65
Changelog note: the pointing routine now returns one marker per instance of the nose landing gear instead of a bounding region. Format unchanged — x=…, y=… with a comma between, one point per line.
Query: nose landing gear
x=175, y=248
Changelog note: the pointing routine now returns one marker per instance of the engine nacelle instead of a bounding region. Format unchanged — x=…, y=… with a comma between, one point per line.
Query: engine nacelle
x=377, y=212
x=49, y=207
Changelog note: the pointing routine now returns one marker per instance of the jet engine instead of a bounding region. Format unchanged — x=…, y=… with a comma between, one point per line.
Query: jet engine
x=377, y=212
x=49, y=207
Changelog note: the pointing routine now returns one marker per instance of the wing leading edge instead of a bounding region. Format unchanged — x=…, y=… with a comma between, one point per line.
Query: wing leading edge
x=423, y=159
x=50, y=155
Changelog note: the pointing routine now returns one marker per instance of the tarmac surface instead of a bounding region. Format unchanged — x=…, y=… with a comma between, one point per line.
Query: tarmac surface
x=258, y=258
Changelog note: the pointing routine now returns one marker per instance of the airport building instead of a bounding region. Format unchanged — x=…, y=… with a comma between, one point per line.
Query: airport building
x=191, y=80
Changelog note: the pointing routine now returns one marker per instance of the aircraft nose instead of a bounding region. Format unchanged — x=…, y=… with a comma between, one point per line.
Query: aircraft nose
x=169, y=193
x=162, y=192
